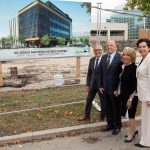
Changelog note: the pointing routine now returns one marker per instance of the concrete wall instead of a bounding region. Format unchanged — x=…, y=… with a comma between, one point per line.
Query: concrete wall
x=108, y=27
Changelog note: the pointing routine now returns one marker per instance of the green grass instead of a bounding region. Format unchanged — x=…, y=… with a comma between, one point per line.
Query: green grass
x=10, y=101
x=42, y=119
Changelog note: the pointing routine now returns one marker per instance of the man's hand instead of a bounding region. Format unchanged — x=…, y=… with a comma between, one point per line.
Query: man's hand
x=101, y=90
x=148, y=103
x=116, y=93
x=87, y=88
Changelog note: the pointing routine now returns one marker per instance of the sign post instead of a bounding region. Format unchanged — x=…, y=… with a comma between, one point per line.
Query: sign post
x=1, y=75
x=78, y=67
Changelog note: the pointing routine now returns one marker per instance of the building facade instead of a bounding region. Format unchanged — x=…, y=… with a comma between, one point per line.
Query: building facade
x=14, y=30
x=134, y=23
x=144, y=33
x=38, y=19
x=114, y=31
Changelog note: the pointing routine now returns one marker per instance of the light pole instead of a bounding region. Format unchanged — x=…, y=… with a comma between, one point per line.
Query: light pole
x=144, y=20
x=99, y=6
x=97, y=32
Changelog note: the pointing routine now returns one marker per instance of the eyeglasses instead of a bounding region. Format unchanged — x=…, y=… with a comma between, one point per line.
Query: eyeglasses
x=97, y=50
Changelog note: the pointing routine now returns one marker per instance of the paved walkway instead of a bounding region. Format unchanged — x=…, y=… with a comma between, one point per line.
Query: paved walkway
x=90, y=141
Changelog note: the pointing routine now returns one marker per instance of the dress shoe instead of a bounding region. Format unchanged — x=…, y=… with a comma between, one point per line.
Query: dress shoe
x=133, y=137
x=84, y=118
x=136, y=133
x=107, y=129
x=115, y=131
x=141, y=146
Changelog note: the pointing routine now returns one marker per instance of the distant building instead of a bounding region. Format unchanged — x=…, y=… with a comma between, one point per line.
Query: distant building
x=144, y=33
x=115, y=31
x=134, y=22
x=38, y=19
x=14, y=29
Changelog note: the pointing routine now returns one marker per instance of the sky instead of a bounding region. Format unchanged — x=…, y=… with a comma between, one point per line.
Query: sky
x=9, y=9
x=106, y=4
x=81, y=20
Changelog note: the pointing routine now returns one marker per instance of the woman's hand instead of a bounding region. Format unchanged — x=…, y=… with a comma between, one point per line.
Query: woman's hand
x=101, y=90
x=148, y=103
x=116, y=93
x=129, y=104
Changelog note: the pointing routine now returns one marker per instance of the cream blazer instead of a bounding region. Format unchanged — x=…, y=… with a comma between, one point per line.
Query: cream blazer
x=143, y=79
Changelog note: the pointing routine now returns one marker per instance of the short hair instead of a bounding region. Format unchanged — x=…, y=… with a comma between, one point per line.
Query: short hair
x=98, y=46
x=147, y=41
x=131, y=52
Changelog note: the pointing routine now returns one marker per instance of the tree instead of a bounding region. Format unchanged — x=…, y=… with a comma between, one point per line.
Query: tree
x=87, y=6
x=21, y=39
x=45, y=40
x=86, y=41
x=82, y=40
x=9, y=40
x=62, y=41
x=74, y=40
x=53, y=41
x=143, y=5
x=3, y=40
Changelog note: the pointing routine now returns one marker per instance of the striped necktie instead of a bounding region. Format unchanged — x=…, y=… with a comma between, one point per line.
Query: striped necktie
x=108, y=61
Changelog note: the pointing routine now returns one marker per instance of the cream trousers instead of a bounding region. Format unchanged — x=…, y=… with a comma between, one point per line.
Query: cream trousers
x=145, y=125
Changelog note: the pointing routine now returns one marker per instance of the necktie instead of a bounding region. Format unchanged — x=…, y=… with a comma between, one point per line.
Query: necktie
x=96, y=65
x=108, y=61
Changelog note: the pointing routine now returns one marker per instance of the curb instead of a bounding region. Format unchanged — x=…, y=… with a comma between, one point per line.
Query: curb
x=53, y=133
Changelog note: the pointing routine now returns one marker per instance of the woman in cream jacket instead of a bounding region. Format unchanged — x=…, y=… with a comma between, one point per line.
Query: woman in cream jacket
x=143, y=88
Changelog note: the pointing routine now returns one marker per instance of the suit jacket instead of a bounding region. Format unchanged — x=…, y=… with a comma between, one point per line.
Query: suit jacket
x=93, y=75
x=109, y=79
x=143, y=79
x=128, y=82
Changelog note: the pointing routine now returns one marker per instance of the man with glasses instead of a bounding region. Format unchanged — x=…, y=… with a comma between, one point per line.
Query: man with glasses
x=92, y=83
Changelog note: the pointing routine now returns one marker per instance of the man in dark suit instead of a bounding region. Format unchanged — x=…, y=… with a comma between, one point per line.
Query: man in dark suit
x=92, y=83
x=110, y=70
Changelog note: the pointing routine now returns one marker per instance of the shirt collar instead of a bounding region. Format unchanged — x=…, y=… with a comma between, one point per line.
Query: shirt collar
x=98, y=57
x=113, y=54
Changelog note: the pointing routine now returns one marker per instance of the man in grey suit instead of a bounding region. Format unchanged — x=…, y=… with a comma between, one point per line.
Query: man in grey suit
x=111, y=68
x=92, y=83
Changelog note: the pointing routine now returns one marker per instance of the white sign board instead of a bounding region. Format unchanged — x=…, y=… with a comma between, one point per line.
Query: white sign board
x=39, y=53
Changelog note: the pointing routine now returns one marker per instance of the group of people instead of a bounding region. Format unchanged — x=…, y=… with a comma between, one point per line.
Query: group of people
x=120, y=83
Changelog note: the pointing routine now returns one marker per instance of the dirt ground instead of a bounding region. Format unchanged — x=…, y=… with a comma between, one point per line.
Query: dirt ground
x=41, y=72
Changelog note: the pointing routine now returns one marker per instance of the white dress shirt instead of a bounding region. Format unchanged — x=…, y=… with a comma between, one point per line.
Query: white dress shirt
x=99, y=59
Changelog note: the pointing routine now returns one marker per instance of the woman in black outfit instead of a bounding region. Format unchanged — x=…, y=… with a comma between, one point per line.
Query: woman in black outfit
x=127, y=88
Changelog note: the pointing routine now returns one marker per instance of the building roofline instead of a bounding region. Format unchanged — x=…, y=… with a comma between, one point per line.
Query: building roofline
x=44, y=5
x=57, y=9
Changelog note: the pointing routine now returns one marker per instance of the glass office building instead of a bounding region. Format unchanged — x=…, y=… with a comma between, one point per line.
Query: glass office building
x=38, y=19
x=134, y=23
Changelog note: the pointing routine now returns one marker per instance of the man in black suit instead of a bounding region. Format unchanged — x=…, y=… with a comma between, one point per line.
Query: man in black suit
x=92, y=83
x=110, y=70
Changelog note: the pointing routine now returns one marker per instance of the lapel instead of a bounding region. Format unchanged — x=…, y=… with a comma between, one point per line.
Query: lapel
x=105, y=61
x=143, y=63
x=93, y=63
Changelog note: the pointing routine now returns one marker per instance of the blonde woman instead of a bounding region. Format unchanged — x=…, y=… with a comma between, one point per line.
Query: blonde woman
x=143, y=88
x=128, y=84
